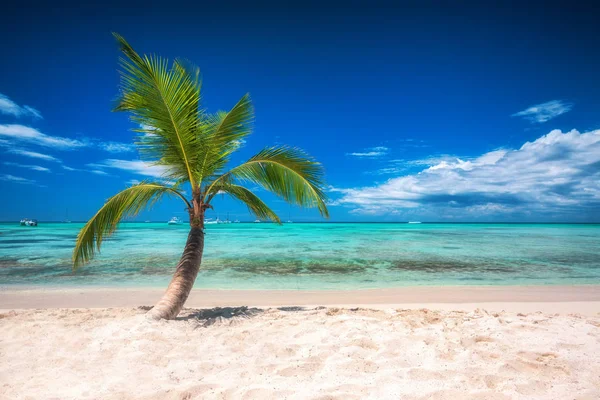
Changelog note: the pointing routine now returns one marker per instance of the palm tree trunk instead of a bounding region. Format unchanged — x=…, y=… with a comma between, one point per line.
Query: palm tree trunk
x=179, y=289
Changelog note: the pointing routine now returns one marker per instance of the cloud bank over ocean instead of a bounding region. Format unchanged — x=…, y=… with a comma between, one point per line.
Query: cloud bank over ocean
x=558, y=172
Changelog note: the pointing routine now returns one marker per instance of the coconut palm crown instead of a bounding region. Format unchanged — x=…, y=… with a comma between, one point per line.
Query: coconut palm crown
x=193, y=147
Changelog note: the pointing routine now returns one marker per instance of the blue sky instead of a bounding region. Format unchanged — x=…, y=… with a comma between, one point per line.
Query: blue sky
x=427, y=112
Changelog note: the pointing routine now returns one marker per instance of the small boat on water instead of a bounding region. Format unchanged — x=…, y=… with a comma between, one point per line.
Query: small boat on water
x=175, y=221
x=414, y=222
x=258, y=221
x=227, y=221
x=210, y=221
x=28, y=222
x=237, y=221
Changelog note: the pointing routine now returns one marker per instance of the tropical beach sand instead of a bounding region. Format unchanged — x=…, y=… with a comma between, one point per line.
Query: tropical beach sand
x=303, y=352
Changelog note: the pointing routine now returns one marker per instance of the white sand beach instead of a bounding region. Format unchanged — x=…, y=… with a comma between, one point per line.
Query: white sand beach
x=304, y=352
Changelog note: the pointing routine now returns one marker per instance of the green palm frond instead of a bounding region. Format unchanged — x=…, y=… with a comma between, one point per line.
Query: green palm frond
x=255, y=205
x=224, y=133
x=287, y=172
x=166, y=102
x=127, y=203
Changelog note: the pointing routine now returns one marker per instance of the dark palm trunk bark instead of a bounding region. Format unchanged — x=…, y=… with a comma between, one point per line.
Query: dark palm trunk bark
x=179, y=289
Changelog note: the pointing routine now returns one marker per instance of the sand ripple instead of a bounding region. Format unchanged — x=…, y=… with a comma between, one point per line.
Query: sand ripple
x=298, y=353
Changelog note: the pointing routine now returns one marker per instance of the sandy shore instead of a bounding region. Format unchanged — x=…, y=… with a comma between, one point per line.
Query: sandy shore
x=298, y=353
x=583, y=299
x=409, y=343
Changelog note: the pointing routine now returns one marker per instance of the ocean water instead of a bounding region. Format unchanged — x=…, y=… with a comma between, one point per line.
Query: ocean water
x=310, y=256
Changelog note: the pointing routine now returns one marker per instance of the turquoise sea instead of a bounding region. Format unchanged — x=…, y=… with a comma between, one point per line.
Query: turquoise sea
x=310, y=256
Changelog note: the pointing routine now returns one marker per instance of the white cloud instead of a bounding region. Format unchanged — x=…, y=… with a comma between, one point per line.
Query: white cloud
x=33, y=167
x=97, y=172
x=9, y=107
x=133, y=182
x=544, y=112
x=557, y=172
x=371, y=152
x=31, y=135
x=34, y=154
x=401, y=165
x=16, y=179
x=116, y=147
x=93, y=171
x=133, y=166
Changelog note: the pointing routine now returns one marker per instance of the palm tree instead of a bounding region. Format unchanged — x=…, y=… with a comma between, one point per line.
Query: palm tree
x=193, y=147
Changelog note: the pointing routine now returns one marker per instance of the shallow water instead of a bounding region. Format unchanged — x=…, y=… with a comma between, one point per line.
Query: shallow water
x=311, y=256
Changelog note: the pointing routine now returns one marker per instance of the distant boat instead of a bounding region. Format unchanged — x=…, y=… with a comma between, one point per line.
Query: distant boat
x=237, y=221
x=210, y=221
x=258, y=221
x=289, y=221
x=28, y=222
x=175, y=221
x=414, y=222
x=146, y=221
x=67, y=220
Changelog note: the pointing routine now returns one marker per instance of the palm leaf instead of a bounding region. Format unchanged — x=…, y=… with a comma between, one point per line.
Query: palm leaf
x=287, y=172
x=127, y=203
x=166, y=101
x=255, y=205
x=225, y=131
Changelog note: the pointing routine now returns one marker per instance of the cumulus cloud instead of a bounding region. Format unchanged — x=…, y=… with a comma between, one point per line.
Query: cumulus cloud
x=133, y=166
x=544, y=112
x=558, y=172
x=401, y=165
x=32, y=167
x=27, y=134
x=34, y=154
x=372, y=152
x=9, y=107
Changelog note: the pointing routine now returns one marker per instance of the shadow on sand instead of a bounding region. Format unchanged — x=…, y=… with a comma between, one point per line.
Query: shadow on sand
x=227, y=315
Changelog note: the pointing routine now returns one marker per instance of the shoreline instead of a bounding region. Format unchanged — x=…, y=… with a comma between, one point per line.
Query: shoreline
x=581, y=299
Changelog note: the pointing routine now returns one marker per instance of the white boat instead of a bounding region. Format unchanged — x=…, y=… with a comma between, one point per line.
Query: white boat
x=227, y=221
x=258, y=221
x=237, y=221
x=28, y=222
x=210, y=221
x=175, y=221
x=414, y=222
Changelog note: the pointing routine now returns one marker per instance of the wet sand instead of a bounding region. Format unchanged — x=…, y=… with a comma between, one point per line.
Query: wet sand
x=583, y=299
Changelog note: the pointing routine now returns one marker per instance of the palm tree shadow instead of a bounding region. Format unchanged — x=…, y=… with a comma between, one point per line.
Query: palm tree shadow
x=219, y=315
x=292, y=308
x=228, y=315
